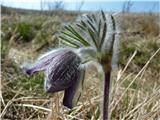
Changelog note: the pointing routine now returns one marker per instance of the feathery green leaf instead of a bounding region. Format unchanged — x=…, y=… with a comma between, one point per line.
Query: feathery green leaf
x=69, y=41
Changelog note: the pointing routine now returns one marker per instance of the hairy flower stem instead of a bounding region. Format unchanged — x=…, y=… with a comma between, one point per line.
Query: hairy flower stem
x=106, y=95
x=106, y=64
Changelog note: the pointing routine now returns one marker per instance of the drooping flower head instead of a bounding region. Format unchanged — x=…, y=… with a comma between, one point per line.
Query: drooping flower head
x=62, y=72
x=96, y=39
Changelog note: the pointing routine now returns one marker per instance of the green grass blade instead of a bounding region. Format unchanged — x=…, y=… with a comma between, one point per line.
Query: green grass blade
x=103, y=15
x=89, y=18
x=83, y=23
x=91, y=25
x=81, y=27
x=85, y=42
x=81, y=39
x=104, y=34
x=92, y=35
x=73, y=37
x=99, y=27
x=69, y=41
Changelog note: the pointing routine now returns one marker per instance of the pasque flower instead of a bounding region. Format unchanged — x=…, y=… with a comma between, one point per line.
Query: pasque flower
x=92, y=38
x=97, y=35
x=62, y=72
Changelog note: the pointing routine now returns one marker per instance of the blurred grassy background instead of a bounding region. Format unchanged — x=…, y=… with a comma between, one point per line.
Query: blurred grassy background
x=27, y=34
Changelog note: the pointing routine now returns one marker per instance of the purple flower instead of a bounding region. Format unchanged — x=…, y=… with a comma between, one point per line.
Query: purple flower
x=62, y=72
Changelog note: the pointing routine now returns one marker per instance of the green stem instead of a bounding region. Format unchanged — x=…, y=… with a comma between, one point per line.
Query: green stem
x=106, y=95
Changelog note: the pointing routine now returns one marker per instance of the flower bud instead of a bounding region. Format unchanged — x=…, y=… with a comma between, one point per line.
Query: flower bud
x=62, y=72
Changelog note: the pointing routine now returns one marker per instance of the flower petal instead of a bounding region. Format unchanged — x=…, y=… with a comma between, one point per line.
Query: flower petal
x=62, y=72
x=73, y=93
x=42, y=62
